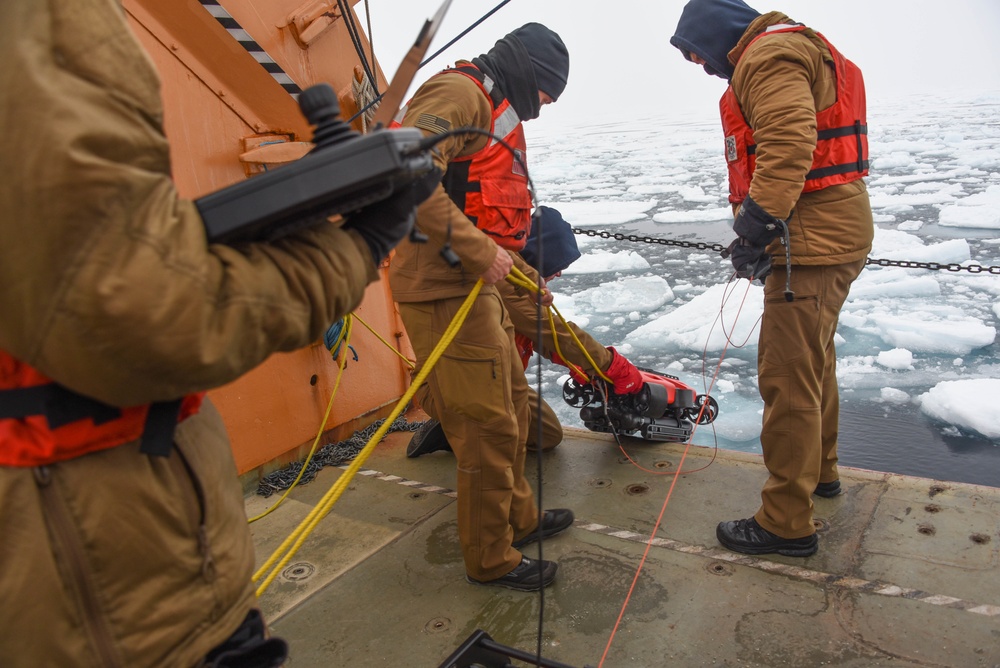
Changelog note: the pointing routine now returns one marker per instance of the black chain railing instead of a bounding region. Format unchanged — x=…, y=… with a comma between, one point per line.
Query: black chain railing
x=701, y=245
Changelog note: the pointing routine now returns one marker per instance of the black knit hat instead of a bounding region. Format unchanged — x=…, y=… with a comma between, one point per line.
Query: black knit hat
x=549, y=57
x=559, y=249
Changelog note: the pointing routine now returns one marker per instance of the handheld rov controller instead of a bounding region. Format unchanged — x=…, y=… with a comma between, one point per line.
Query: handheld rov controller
x=344, y=172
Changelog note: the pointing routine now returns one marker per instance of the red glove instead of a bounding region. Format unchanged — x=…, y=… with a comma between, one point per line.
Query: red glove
x=575, y=372
x=623, y=374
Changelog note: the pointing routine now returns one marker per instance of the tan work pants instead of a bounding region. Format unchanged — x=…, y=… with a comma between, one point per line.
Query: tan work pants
x=552, y=431
x=478, y=392
x=797, y=367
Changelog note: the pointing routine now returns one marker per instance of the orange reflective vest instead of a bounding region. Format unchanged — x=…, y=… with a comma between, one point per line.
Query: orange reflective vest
x=841, y=153
x=525, y=348
x=42, y=422
x=491, y=185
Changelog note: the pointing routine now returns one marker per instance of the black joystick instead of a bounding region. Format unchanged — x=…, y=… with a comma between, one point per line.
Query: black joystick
x=320, y=107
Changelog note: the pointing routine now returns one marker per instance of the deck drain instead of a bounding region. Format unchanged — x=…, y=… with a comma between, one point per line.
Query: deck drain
x=437, y=625
x=979, y=538
x=297, y=572
x=926, y=529
x=932, y=508
x=599, y=482
x=416, y=495
x=821, y=525
x=663, y=464
x=719, y=568
x=935, y=490
x=636, y=489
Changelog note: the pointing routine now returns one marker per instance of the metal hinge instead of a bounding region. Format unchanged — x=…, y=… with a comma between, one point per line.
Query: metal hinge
x=311, y=20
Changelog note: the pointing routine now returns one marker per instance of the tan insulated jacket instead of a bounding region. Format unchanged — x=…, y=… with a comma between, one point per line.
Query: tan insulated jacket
x=523, y=313
x=107, y=284
x=781, y=82
x=418, y=273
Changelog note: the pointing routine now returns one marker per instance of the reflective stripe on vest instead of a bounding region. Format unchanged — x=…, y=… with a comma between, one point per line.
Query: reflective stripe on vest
x=841, y=153
x=42, y=422
x=491, y=185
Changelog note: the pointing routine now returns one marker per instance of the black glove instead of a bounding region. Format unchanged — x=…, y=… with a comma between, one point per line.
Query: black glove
x=756, y=228
x=385, y=223
x=749, y=261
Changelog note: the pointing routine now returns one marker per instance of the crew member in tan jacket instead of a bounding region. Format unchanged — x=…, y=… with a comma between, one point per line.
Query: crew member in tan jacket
x=551, y=248
x=477, y=390
x=113, y=304
x=796, y=147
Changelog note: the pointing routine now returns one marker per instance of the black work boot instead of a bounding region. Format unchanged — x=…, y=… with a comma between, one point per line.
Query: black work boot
x=552, y=522
x=748, y=537
x=429, y=438
x=827, y=489
x=525, y=576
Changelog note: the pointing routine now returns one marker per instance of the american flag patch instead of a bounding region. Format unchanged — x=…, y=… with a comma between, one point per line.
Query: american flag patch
x=432, y=123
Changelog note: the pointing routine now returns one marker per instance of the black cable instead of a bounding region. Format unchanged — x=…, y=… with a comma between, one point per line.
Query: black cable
x=425, y=145
x=464, y=33
x=378, y=98
x=352, y=31
x=371, y=39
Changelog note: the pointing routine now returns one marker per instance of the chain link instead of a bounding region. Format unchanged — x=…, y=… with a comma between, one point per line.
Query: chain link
x=700, y=245
x=331, y=454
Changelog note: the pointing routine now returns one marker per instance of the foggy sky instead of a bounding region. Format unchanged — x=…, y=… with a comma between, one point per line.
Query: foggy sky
x=622, y=64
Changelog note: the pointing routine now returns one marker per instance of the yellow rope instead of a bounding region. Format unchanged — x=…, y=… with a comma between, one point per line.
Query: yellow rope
x=343, y=337
x=518, y=277
x=387, y=344
x=294, y=541
x=576, y=340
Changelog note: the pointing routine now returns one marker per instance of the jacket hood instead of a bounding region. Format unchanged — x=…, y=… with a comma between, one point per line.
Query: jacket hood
x=710, y=29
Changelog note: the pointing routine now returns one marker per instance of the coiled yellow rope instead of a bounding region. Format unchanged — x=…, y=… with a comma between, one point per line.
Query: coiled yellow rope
x=294, y=541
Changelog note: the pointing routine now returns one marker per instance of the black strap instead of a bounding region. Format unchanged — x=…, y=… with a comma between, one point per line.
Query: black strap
x=846, y=168
x=61, y=406
x=845, y=131
x=855, y=130
x=158, y=432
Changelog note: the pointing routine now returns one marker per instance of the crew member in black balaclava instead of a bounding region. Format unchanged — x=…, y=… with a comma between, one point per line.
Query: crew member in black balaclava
x=478, y=391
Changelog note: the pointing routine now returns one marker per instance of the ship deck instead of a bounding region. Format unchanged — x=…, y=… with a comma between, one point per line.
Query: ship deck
x=906, y=574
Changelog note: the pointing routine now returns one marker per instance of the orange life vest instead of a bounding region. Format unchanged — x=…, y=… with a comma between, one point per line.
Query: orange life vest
x=525, y=348
x=491, y=185
x=42, y=422
x=841, y=153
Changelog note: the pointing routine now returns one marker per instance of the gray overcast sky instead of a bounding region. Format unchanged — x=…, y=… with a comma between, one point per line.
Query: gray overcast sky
x=622, y=64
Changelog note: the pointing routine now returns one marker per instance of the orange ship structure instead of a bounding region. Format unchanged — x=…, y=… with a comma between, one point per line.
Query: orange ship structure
x=230, y=76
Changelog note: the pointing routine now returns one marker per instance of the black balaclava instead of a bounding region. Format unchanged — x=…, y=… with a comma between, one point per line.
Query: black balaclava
x=711, y=29
x=549, y=57
x=511, y=64
x=559, y=249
